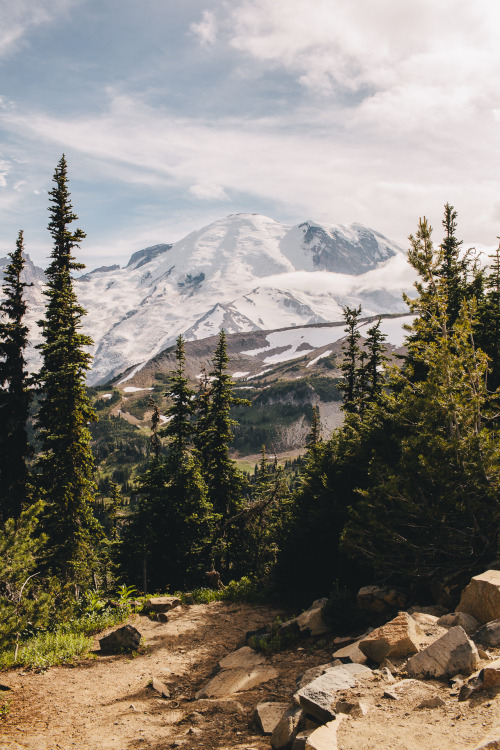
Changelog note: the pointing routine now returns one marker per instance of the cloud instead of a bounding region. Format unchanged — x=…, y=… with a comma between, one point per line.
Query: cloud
x=206, y=29
x=20, y=16
x=209, y=192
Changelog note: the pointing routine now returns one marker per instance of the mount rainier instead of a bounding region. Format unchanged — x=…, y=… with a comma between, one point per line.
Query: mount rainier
x=242, y=273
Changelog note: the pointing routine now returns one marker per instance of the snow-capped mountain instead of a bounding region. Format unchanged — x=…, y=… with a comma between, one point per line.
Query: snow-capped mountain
x=242, y=273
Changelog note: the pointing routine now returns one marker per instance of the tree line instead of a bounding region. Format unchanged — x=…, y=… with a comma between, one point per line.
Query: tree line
x=406, y=490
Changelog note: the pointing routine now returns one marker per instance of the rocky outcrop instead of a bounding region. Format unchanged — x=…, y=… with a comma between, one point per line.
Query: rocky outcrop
x=481, y=598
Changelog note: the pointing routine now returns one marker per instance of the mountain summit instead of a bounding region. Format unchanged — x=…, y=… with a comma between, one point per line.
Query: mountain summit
x=243, y=273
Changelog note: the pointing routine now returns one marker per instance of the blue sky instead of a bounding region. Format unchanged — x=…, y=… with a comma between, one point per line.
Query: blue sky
x=175, y=113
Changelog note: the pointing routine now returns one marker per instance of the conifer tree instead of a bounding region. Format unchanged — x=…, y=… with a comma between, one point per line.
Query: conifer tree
x=376, y=358
x=179, y=429
x=66, y=466
x=15, y=392
x=349, y=366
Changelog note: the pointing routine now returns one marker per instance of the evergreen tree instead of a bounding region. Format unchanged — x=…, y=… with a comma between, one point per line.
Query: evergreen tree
x=376, y=357
x=314, y=436
x=179, y=429
x=66, y=466
x=351, y=350
x=15, y=393
x=488, y=332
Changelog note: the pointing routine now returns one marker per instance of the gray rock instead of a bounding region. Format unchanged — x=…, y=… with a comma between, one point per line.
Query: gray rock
x=244, y=657
x=488, y=635
x=310, y=674
x=126, y=638
x=435, y=702
x=318, y=697
x=481, y=598
x=446, y=657
x=287, y=728
x=312, y=622
x=466, y=621
x=267, y=716
x=234, y=680
x=351, y=653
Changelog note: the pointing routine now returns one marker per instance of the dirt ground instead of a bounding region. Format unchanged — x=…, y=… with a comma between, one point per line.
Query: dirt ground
x=108, y=703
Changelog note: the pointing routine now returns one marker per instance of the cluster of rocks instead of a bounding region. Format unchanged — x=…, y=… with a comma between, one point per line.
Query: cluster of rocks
x=417, y=645
x=127, y=638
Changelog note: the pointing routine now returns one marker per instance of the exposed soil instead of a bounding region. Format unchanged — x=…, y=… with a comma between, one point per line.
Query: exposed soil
x=108, y=703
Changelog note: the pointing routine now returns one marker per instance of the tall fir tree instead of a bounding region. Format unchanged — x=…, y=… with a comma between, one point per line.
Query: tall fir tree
x=15, y=391
x=376, y=358
x=349, y=366
x=66, y=465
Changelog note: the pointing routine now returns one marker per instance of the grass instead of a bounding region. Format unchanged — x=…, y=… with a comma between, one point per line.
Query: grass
x=46, y=650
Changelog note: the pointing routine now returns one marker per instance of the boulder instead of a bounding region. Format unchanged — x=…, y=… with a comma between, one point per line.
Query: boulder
x=319, y=696
x=231, y=681
x=287, y=728
x=397, y=638
x=488, y=635
x=312, y=623
x=446, y=657
x=481, y=598
x=161, y=603
x=244, y=657
x=466, y=621
x=350, y=653
x=126, y=638
x=324, y=738
x=267, y=716
x=379, y=599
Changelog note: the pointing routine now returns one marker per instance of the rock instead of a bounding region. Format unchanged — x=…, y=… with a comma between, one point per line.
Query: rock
x=467, y=622
x=490, y=674
x=378, y=599
x=360, y=671
x=481, y=598
x=387, y=675
x=397, y=638
x=324, y=738
x=318, y=697
x=424, y=619
x=126, y=638
x=244, y=657
x=299, y=742
x=234, y=680
x=488, y=635
x=268, y=715
x=490, y=743
x=351, y=653
x=435, y=702
x=161, y=603
x=353, y=707
x=287, y=728
x=449, y=655
x=436, y=610
x=391, y=695
x=162, y=617
x=310, y=674
x=160, y=687
x=312, y=623
x=289, y=630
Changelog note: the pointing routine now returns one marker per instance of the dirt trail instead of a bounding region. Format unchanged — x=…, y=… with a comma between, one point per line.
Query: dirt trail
x=107, y=702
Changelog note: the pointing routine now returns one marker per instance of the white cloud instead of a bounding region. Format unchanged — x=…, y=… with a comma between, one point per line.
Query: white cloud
x=208, y=192
x=20, y=16
x=206, y=29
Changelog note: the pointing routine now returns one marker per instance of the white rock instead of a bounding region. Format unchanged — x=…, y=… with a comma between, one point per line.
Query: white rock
x=449, y=655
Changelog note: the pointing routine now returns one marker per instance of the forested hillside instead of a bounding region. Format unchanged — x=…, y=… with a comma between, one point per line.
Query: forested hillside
x=405, y=490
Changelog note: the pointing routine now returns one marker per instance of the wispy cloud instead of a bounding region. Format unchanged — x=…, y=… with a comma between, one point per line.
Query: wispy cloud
x=18, y=17
x=206, y=29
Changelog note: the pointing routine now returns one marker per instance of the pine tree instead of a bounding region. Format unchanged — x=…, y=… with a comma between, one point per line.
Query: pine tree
x=66, y=465
x=15, y=392
x=349, y=366
x=179, y=429
x=376, y=357
x=452, y=269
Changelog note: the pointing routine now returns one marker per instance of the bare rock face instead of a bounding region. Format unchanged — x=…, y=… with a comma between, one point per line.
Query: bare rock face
x=126, y=638
x=488, y=635
x=481, y=598
x=466, y=621
x=397, y=638
x=451, y=654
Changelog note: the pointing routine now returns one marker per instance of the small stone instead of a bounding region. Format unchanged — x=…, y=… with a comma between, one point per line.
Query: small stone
x=435, y=702
x=268, y=715
x=391, y=695
x=488, y=635
x=162, y=617
x=351, y=653
x=466, y=621
x=160, y=687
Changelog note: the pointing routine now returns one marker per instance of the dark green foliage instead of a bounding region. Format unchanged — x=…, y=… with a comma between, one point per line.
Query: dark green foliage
x=351, y=350
x=66, y=465
x=24, y=603
x=179, y=429
x=15, y=393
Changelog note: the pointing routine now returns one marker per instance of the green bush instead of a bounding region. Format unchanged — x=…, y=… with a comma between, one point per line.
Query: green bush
x=46, y=650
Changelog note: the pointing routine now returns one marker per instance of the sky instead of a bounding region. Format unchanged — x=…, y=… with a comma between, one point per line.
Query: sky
x=174, y=113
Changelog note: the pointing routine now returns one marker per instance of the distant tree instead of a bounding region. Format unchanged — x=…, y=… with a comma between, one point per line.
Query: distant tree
x=179, y=427
x=376, y=357
x=351, y=350
x=314, y=436
x=15, y=391
x=66, y=465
